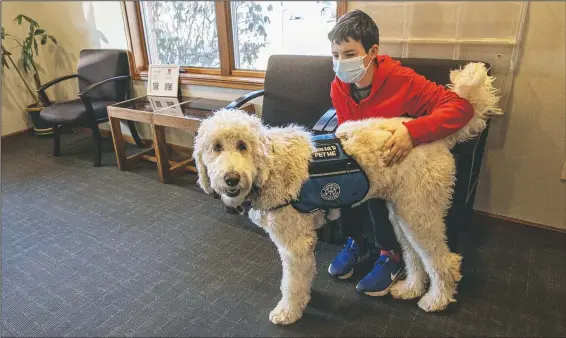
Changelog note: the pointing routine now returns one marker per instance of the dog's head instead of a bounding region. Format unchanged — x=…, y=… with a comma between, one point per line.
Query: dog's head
x=231, y=154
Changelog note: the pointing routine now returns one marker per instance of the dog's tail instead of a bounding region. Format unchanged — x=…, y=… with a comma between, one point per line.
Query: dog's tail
x=475, y=85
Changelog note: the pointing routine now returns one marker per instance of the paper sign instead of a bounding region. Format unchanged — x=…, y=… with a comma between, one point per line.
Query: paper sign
x=163, y=80
x=166, y=105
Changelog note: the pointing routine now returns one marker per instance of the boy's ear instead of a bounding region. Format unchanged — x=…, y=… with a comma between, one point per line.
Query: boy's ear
x=374, y=50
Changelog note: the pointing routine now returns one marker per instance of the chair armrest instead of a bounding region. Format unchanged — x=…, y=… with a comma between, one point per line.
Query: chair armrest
x=324, y=119
x=57, y=80
x=45, y=101
x=100, y=83
x=242, y=100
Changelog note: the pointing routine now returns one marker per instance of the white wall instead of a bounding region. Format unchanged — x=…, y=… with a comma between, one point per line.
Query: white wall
x=76, y=26
x=526, y=149
x=15, y=96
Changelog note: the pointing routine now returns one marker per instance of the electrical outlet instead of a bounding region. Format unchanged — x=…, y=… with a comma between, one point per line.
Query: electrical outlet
x=563, y=175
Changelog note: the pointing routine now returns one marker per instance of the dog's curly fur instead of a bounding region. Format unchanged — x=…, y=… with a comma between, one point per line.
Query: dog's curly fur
x=418, y=191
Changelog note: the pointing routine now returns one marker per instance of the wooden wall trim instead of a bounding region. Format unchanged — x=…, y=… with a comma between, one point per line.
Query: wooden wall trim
x=515, y=221
x=131, y=12
x=225, y=37
x=342, y=8
x=16, y=133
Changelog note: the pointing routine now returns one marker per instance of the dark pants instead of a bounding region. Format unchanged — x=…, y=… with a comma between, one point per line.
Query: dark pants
x=370, y=217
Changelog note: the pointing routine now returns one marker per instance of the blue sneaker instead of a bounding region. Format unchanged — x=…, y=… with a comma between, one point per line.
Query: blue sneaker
x=343, y=265
x=378, y=281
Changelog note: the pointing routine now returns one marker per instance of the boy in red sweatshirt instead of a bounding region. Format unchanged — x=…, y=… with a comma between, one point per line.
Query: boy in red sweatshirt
x=371, y=85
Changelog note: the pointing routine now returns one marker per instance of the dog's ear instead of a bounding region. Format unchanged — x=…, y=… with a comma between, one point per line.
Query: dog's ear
x=203, y=179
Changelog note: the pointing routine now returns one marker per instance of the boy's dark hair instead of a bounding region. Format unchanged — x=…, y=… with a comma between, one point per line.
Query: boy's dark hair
x=358, y=26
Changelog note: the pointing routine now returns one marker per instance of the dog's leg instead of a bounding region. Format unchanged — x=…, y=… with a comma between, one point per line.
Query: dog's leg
x=414, y=285
x=426, y=234
x=295, y=239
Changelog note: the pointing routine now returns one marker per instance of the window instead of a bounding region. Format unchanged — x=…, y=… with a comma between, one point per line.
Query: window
x=182, y=33
x=226, y=43
x=265, y=28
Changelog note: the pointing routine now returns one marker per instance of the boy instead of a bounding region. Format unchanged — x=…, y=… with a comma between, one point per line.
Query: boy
x=371, y=85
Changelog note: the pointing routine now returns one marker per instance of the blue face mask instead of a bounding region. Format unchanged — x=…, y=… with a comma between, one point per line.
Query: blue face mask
x=350, y=70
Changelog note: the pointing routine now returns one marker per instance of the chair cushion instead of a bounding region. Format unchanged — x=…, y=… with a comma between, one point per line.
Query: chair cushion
x=73, y=111
x=96, y=65
x=436, y=70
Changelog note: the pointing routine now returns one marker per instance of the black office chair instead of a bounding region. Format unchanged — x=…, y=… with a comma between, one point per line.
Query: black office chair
x=297, y=90
x=103, y=79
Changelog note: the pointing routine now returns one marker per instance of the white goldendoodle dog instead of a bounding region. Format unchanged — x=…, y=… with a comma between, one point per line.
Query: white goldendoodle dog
x=241, y=159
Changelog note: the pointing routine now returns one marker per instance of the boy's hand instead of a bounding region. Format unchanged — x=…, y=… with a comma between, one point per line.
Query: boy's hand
x=399, y=145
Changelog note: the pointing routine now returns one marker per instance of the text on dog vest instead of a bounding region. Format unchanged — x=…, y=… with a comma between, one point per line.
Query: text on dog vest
x=326, y=151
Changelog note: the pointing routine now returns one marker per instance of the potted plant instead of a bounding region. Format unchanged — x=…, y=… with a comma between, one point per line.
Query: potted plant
x=28, y=46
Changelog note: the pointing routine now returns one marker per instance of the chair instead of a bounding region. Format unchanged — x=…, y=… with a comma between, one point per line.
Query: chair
x=103, y=79
x=297, y=90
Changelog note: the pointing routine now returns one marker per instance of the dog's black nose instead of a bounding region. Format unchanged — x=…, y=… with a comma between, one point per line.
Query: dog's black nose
x=232, y=179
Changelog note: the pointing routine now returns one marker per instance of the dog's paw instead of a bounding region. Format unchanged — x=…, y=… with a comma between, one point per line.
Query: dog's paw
x=407, y=289
x=435, y=301
x=285, y=315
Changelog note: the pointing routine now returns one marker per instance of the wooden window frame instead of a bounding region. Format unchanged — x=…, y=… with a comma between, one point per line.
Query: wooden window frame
x=227, y=76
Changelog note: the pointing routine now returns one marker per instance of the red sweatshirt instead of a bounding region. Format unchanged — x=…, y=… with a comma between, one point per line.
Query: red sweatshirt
x=398, y=90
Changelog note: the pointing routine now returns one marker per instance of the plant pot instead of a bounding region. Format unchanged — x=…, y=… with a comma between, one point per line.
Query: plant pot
x=40, y=126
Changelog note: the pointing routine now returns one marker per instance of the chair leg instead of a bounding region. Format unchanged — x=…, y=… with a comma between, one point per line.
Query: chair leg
x=135, y=135
x=56, y=141
x=97, y=144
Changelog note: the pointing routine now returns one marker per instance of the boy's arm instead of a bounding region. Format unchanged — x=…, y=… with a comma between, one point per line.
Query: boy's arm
x=440, y=111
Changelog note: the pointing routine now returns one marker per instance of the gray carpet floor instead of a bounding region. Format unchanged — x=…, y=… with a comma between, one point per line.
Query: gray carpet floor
x=98, y=252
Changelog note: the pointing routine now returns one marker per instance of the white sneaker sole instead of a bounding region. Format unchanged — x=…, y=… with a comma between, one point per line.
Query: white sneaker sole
x=379, y=293
x=386, y=291
x=351, y=272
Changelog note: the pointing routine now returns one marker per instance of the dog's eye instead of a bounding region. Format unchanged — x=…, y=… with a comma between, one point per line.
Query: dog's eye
x=217, y=147
x=242, y=146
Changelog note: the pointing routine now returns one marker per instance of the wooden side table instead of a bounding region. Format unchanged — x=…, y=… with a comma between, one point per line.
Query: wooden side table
x=181, y=113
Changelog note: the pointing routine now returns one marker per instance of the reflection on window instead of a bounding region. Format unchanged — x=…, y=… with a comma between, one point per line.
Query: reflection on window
x=264, y=28
x=181, y=32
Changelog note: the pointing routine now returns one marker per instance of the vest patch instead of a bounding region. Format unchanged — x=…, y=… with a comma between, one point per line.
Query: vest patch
x=330, y=191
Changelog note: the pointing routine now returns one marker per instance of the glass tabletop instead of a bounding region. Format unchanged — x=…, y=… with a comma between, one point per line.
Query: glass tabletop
x=181, y=106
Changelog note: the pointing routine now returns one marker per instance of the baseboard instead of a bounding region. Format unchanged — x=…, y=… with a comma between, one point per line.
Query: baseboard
x=17, y=133
x=129, y=139
x=515, y=221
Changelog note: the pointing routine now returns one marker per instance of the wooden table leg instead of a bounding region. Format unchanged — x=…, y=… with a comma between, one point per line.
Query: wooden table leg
x=118, y=142
x=160, y=146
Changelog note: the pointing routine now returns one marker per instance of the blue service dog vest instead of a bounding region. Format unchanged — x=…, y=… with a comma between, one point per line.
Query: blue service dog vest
x=336, y=180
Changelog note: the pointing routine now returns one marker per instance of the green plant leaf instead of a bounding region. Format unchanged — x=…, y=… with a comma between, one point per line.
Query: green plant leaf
x=52, y=39
x=35, y=47
x=4, y=62
x=44, y=39
x=31, y=21
x=18, y=19
x=39, y=31
x=25, y=60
